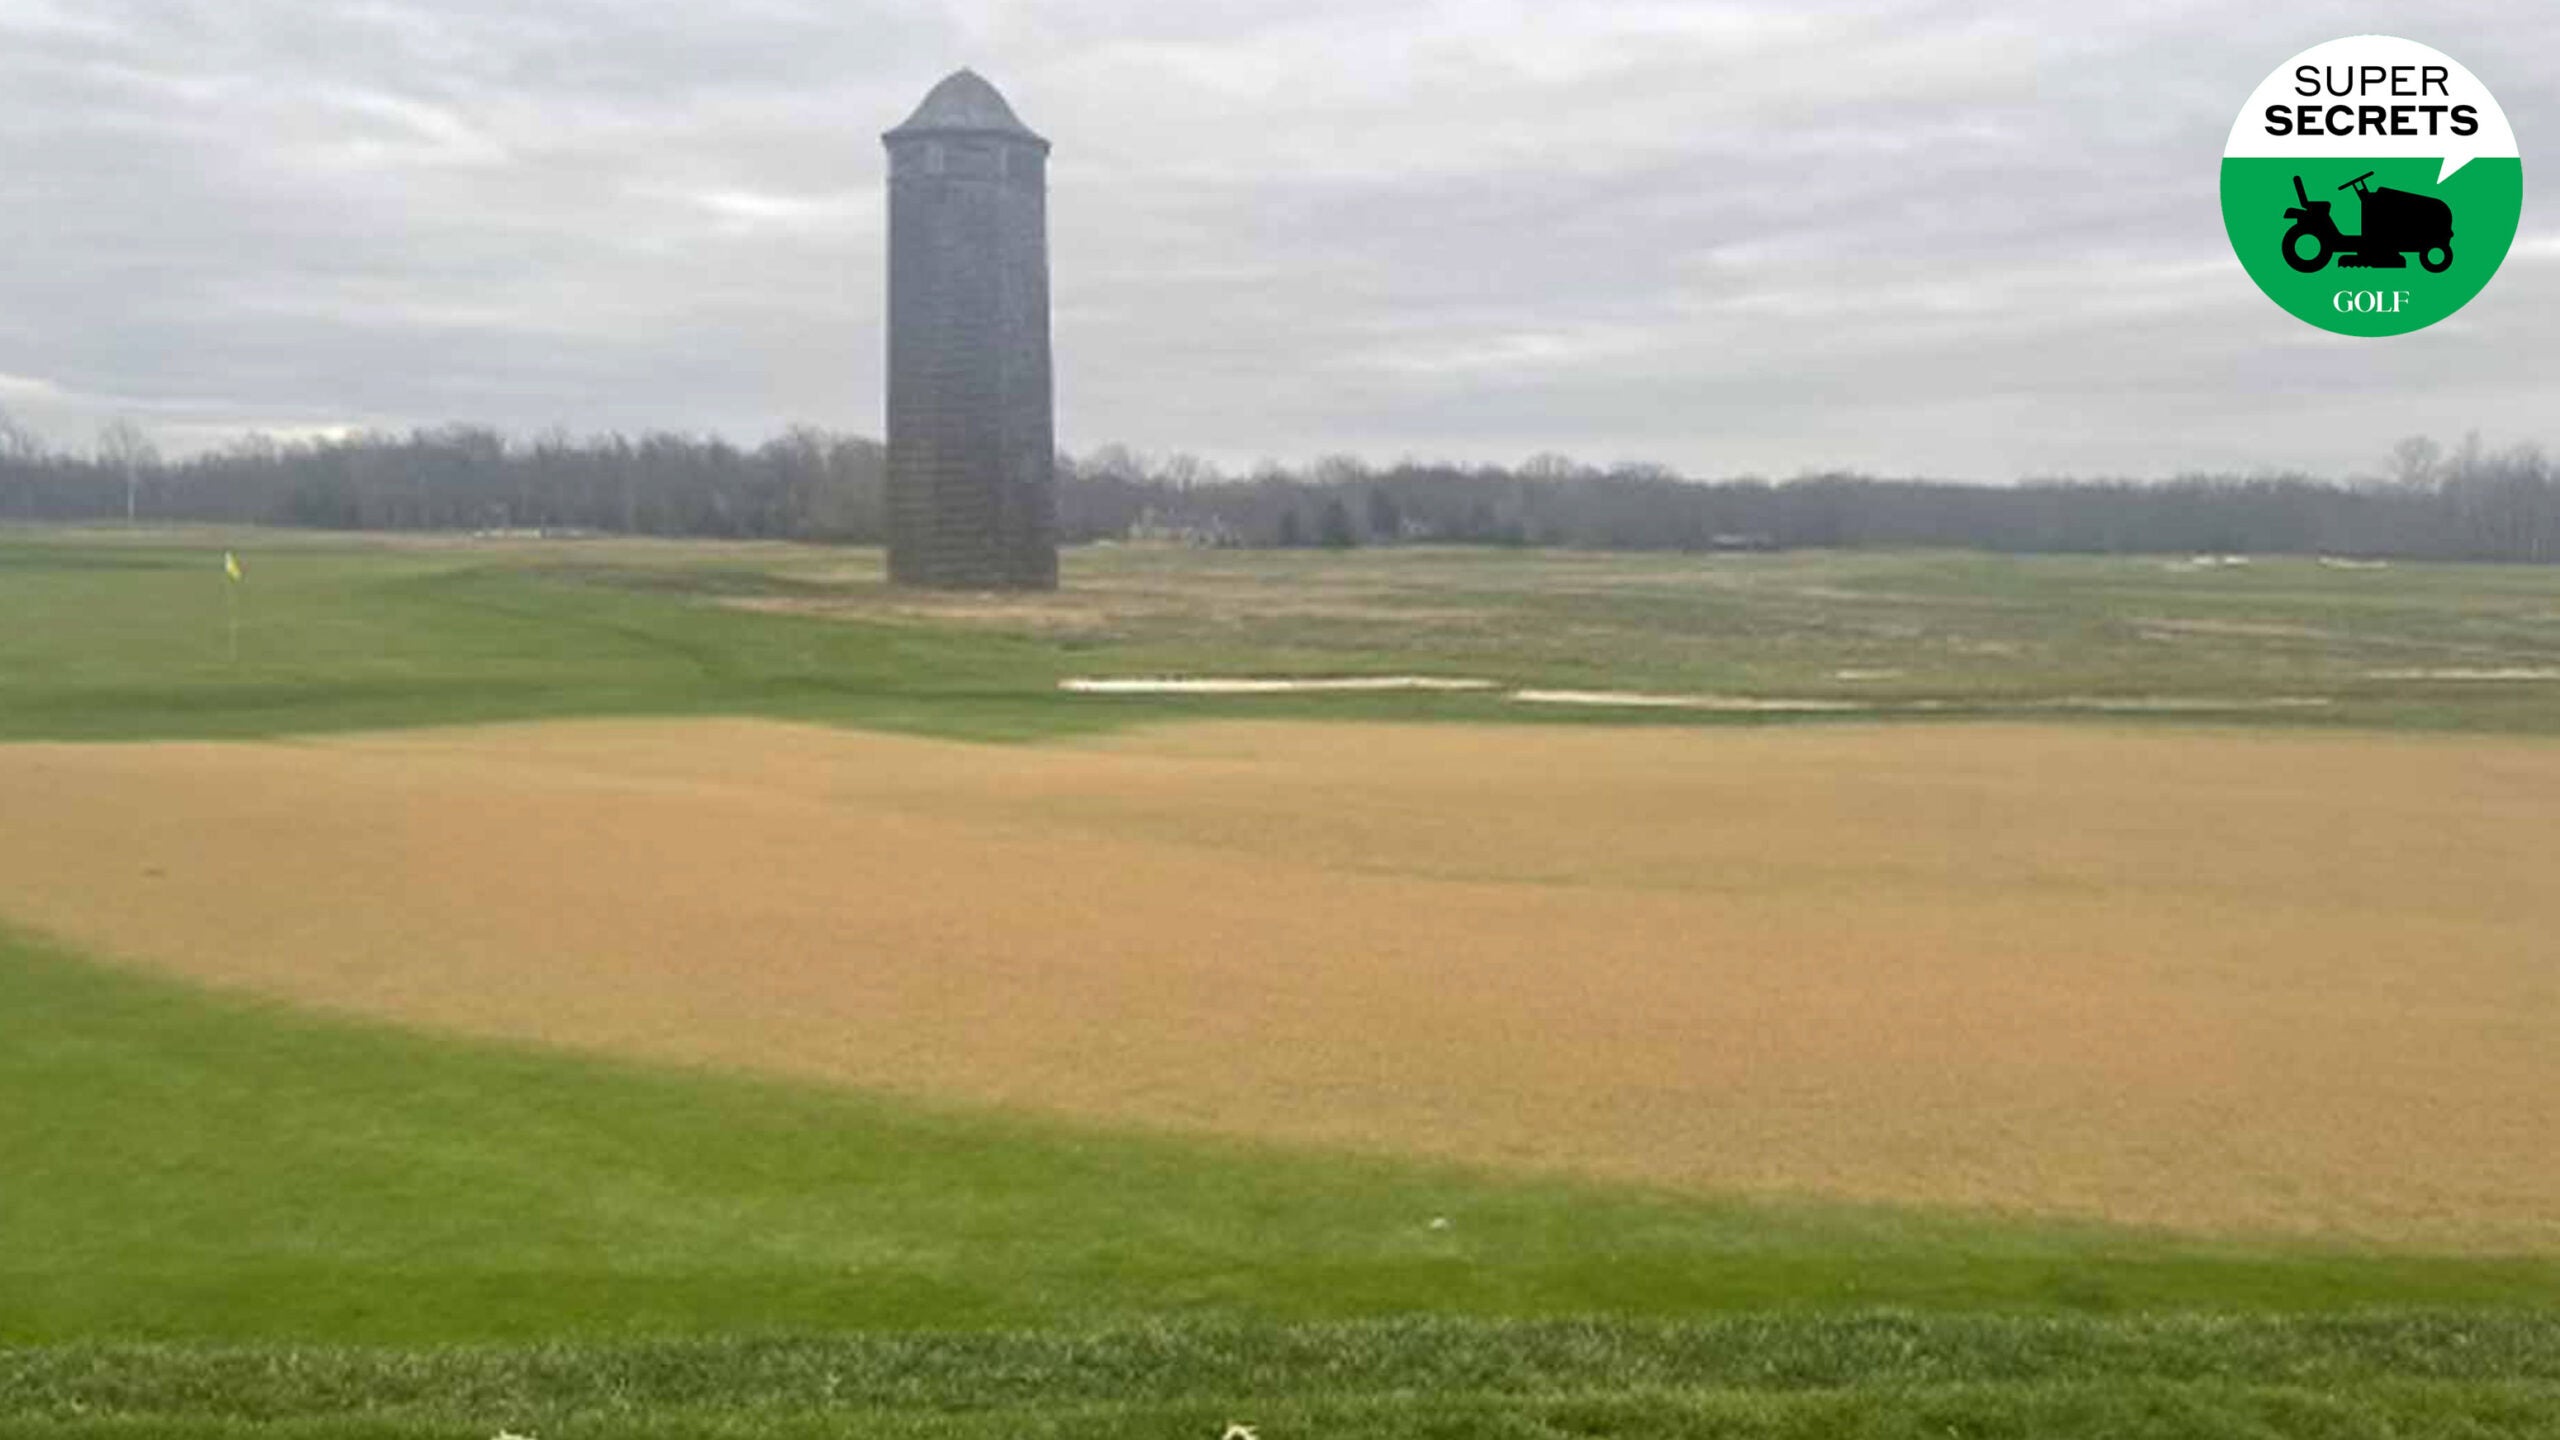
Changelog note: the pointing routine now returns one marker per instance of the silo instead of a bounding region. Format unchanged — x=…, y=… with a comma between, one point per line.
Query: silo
x=972, y=486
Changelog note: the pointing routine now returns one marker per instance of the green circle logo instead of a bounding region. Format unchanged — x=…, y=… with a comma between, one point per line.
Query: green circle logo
x=2371, y=186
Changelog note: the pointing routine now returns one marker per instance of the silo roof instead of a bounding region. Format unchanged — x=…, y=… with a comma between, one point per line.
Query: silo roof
x=964, y=103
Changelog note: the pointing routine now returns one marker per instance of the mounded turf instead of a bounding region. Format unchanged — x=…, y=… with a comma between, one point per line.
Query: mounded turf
x=191, y=1167
x=306, y=1214
x=118, y=635
x=2158, y=976
x=218, y=1217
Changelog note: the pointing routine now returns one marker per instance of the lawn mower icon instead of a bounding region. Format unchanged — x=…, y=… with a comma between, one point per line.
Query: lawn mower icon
x=2394, y=221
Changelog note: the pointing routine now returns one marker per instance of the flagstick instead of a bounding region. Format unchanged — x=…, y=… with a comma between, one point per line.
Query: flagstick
x=231, y=612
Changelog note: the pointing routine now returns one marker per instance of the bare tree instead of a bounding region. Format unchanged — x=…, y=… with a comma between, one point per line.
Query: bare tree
x=126, y=450
x=20, y=453
x=2438, y=502
x=1183, y=470
x=2414, y=462
x=1116, y=461
x=1340, y=470
x=17, y=442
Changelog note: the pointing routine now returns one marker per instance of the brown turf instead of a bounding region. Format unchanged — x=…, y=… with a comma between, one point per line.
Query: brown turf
x=2211, y=980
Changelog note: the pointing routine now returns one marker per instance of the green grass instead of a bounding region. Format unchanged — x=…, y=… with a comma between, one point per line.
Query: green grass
x=2398, y=1375
x=125, y=635
x=124, y=638
x=222, y=1217
x=193, y=1167
x=305, y=1215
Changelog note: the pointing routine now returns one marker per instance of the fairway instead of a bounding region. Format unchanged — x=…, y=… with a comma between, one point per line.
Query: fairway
x=2246, y=982
x=1623, y=722
x=618, y=987
x=122, y=636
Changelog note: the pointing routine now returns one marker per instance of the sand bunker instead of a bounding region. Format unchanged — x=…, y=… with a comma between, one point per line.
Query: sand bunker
x=2498, y=672
x=2275, y=981
x=2177, y=704
x=1731, y=704
x=1252, y=685
x=1781, y=705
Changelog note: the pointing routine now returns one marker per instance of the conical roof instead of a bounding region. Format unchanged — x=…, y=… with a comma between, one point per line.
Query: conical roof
x=964, y=103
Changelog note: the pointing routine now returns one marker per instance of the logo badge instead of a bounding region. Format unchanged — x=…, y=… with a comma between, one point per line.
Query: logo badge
x=2371, y=186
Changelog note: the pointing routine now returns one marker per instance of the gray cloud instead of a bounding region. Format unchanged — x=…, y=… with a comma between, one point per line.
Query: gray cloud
x=1956, y=239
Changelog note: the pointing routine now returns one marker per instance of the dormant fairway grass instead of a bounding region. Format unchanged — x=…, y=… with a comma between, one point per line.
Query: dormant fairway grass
x=221, y=1216
x=122, y=635
x=194, y=1168
x=2223, y=981
x=224, y=1218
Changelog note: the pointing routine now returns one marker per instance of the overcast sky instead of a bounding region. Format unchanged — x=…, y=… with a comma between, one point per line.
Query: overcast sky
x=1963, y=239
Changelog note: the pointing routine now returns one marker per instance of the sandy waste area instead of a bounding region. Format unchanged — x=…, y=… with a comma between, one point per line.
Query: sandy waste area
x=2244, y=980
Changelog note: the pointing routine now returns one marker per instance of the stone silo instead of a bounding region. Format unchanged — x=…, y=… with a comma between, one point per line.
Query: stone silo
x=972, y=487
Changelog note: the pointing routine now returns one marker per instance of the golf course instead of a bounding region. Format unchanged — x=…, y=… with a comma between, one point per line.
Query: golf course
x=584, y=987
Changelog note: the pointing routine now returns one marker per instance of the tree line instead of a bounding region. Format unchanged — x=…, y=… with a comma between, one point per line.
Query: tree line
x=2467, y=502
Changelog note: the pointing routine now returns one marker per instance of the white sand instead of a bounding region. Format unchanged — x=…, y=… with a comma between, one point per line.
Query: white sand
x=1246, y=685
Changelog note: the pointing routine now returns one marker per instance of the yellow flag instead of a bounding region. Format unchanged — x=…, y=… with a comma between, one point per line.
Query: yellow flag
x=230, y=564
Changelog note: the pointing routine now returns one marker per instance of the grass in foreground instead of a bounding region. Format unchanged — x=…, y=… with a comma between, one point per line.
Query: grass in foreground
x=222, y=1218
x=227, y=1219
x=115, y=635
x=188, y=1167
x=2397, y=1375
